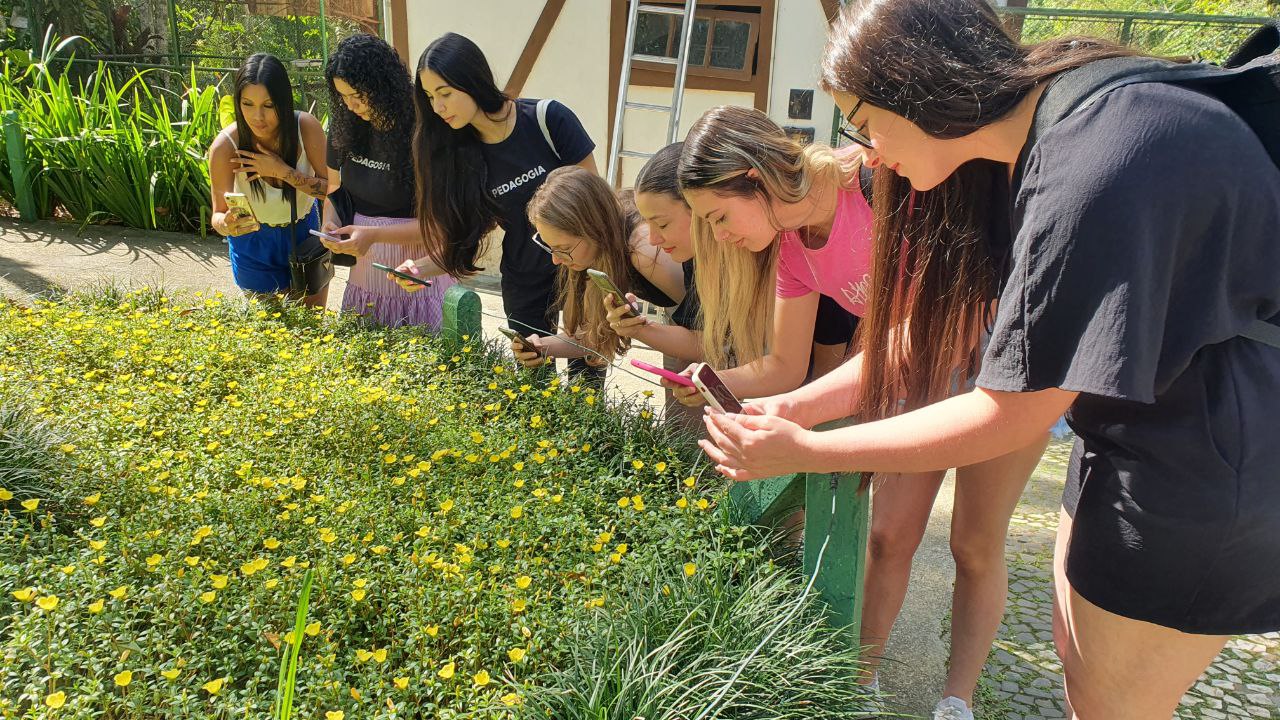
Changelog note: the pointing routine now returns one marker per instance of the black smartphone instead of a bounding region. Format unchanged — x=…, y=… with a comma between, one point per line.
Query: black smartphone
x=606, y=285
x=402, y=275
x=525, y=345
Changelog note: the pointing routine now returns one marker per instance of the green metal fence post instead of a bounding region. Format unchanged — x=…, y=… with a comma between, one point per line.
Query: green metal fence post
x=324, y=34
x=16, y=147
x=175, y=49
x=461, y=315
x=840, y=577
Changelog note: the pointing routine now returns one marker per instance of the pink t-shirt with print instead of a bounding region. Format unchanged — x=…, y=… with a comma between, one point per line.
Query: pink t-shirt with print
x=841, y=269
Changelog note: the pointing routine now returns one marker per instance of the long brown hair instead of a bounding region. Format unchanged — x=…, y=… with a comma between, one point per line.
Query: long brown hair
x=735, y=285
x=582, y=204
x=950, y=67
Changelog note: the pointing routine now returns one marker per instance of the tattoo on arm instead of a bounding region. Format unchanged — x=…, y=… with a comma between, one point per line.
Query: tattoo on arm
x=313, y=186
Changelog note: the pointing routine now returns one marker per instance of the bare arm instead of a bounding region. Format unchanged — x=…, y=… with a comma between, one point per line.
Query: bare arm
x=672, y=340
x=222, y=154
x=329, y=221
x=589, y=162
x=784, y=368
x=313, y=144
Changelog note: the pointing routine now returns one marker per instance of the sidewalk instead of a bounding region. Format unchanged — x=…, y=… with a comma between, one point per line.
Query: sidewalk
x=1022, y=680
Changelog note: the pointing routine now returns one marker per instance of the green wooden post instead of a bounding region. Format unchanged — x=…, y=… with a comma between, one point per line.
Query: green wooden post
x=461, y=314
x=766, y=502
x=15, y=141
x=844, y=563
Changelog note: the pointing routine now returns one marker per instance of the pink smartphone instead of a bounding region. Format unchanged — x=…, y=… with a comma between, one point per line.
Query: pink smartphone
x=714, y=391
x=660, y=372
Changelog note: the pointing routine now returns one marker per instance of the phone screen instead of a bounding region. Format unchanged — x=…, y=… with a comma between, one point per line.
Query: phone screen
x=716, y=387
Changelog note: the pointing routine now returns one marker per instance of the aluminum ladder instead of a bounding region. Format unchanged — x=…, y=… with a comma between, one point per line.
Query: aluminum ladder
x=681, y=61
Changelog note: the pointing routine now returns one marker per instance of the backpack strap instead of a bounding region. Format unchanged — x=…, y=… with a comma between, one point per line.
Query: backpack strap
x=542, y=123
x=1264, y=41
x=866, y=180
x=1263, y=332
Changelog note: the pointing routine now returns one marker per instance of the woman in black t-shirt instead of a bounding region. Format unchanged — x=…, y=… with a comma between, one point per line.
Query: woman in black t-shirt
x=479, y=157
x=1144, y=245
x=371, y=176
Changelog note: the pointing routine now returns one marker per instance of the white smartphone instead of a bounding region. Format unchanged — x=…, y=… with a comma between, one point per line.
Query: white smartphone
x=714, y=391
x=239, y=201
x=326, y=236
x=606, y=285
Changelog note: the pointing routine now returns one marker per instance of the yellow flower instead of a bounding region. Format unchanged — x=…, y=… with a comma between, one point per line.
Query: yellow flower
x=690, y=568
x=171, y=674
x=357, y=595
x=213, y=687
x=480, y=679
x=401, y=682
x=446, y=506
x=271, y=543
x=389, y=458
x=682, y=503
x=689, y=481
x=703, y=504
x=637, y=503
x=624, y=501
x=313, y=629
x=660, y=467
x=516, y=654
x=5, y=495
x=637, y=464
x=380, y=655
x=93, y=499
x=519, y=605
x=98, y=521
x=271, y=584
x=25, y=595
x=557, y=498
x=219, y=581
x=517, y=512
x=154, y=560
x=47, y=603
x=56, y=700
x=208, y=596
x=447, y=671
x=192, y=560
x=31, y=505
x=348, y=559
x=289, y=561
x=119, y=592
x=96, y=545
x=433, y=630
x=334, y=715
x=96, y=606
x=363, y=655
x=124, y=678
x=511, y=700
x=523, y=582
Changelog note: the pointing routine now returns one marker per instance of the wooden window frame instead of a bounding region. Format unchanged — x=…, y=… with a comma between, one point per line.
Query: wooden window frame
x=673, y=41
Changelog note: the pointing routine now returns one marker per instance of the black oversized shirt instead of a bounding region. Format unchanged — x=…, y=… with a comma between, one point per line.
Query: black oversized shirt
x=517, y=167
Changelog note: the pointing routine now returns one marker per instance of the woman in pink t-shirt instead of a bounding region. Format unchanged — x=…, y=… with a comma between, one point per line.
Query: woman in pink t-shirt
x=775, y=226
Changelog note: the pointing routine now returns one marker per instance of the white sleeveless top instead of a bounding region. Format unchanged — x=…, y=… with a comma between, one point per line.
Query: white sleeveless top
x=272, y=208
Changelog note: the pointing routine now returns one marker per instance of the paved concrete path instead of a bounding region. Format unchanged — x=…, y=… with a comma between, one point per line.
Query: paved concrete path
x=1022, y=678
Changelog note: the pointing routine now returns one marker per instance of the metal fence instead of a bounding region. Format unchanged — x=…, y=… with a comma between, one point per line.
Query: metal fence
x=1204, y=37
x=210, y=37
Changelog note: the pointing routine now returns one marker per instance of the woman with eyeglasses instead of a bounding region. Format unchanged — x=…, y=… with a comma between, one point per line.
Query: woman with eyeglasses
x=480, y=156
x=582, y=224
x=765, y=207
x=371, y=175
x=1141, y=282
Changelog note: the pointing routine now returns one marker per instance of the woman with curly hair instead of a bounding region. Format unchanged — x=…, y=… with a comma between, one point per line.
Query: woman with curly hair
x=371, y=173
x=480, y=156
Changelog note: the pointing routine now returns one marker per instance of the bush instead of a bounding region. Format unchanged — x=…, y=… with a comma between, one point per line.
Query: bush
x=470, y=529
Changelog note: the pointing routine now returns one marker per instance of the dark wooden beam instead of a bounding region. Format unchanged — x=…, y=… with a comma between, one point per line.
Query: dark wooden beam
x=533, y=47
x=830, y=10
x=400, y=31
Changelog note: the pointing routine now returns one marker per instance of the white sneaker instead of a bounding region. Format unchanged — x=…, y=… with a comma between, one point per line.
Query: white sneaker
x=952, y=708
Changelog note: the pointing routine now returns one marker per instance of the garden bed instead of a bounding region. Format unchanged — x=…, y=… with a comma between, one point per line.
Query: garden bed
x=485, y=543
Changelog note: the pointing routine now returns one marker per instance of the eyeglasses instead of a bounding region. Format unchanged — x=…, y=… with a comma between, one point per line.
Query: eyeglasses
x=856, y=135
x=562, y=255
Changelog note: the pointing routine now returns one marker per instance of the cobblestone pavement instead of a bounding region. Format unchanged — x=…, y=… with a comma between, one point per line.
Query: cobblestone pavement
x=1023, y=677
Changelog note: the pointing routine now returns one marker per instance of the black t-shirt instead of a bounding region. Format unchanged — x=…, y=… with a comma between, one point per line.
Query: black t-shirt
x=374, y=180
x=517, y=168
x=1146, y=240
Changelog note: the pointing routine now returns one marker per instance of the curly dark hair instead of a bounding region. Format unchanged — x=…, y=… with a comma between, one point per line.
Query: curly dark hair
x=372, y=67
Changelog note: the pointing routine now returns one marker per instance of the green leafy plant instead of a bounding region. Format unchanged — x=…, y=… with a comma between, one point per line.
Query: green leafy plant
x=288, y=682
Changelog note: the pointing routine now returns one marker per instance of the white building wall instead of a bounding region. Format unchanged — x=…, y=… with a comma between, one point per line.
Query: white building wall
x=799, y=36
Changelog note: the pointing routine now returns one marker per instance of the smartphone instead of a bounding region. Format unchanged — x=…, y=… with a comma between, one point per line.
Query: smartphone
x=714, y=390
x=525, y=345
x=663, y=373
x=326, y=236
x=603, y=282
x=402, y=275
x=239, y=201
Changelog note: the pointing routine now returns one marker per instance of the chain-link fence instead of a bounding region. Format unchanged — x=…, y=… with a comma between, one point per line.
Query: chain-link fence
x=1204, y=37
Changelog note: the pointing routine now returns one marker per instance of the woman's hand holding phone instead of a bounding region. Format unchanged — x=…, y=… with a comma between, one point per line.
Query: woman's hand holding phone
x=624, y=322
x=528, y=358
x=236, y=221
x=358, y=239
x=687, y=396
x=408, y=267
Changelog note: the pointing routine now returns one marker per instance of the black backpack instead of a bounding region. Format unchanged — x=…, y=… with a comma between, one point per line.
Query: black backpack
x=1248, y=83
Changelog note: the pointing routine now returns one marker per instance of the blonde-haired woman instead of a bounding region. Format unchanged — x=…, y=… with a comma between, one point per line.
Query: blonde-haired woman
x=583, y=225
x=764, y=206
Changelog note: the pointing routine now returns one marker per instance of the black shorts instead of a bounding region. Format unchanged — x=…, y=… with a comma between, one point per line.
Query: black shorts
x=834, y=325
x=1183, y=542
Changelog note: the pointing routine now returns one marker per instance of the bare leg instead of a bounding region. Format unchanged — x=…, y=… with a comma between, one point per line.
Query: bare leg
x=1117, y=667
x=986, y=495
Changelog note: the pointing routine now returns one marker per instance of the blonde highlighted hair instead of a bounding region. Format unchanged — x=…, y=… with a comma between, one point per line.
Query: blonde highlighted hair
x=736, y=286
x=580, y=203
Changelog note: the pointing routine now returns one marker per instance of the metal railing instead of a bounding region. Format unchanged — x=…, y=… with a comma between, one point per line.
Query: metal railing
x=1204, y=37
